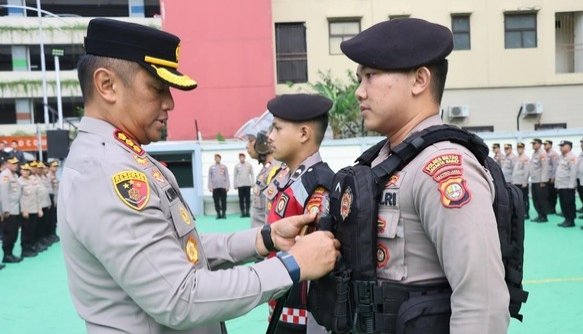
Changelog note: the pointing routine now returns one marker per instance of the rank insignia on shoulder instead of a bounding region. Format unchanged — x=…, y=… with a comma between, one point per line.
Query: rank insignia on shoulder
x=185, y=216
x=157, y=175
x=454, y=192
x=132, y=188
x=128, y=142
x=141, y=161
x=192, y=250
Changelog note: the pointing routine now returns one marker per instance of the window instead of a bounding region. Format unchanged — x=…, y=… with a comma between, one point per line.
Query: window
x=401, y=16
x=520, y=31
x=94, y=8
x=479, y=129
x=340, y=31
x=7, y=111
x=460, y=27
x=290, y=50
x=72, y=105
x=72, y=53
x=5, y=58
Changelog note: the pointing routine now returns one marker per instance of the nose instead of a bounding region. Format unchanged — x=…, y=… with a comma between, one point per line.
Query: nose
x=360, y=92
x=168, y=101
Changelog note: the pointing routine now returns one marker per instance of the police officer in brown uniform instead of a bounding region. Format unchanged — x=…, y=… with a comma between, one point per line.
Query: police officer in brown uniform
x=218, y=185
x=566, y=182
x=520, y=176
x=580, y=176
x=135, y=261
x=539, y=178
x=434, y=230
x=255, y=132
x=10, y=196
x=30, y=209
x=508, y=162
x=498, y=156
x=553, y=162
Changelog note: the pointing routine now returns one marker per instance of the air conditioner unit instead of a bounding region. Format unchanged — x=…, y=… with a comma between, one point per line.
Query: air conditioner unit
x=532, y=108
x=458, y=111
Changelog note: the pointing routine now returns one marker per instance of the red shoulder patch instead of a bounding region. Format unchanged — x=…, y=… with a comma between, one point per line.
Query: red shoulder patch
x=454, y=192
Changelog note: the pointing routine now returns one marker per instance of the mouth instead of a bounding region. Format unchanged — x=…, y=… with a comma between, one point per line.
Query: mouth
x=363, y=108
x=163, y=121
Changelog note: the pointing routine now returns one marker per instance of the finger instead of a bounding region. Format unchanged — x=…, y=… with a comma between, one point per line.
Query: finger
x=301, y=220
x=336, y=244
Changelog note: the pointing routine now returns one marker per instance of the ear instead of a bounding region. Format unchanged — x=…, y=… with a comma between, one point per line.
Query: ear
x=104, y=83
x=305, y=132
x=422, y=77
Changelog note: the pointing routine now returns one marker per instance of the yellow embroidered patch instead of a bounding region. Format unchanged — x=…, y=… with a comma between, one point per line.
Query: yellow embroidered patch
x=192, y=250
x=185, y=216
x=132, y=188
x=127, y=141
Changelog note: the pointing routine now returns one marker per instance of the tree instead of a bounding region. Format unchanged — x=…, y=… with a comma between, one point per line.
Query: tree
x=345, y=117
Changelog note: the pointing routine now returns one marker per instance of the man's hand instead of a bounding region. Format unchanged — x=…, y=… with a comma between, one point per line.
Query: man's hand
x=283, y=232
x=316, y=254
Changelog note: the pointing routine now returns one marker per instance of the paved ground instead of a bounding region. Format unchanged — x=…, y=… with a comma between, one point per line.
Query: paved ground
x=34, y=296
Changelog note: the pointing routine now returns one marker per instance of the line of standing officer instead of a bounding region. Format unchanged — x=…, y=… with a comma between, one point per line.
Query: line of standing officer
x=539, y=177
x=566, y=182
x=552, y=161
x=520, y=176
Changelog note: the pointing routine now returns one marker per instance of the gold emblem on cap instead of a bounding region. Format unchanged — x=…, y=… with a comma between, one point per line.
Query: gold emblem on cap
x=185, y=216
x=191, y=250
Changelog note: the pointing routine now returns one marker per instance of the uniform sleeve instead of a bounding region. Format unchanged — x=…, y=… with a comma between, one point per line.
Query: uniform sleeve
x=546, y=168
x=573, y=172
x=231, y=248
x=228, y=180
x=142, y=253
x=210, y=178
x=235, y=174
x=4, y=185
x=457, y=216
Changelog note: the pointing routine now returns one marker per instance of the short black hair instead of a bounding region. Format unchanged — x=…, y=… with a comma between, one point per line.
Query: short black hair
x=88, y=64
x=438, y=75
x=321, y=124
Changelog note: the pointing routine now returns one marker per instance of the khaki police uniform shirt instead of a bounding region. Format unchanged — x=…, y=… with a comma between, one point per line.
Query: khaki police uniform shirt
x=135, y=261
x=30, y=197
x=521, y=170
x=539, y=167
x=436, y=223
x=218, y=177
x=10, y=192
x=44, y=184
x=258, y=200
x=566, y=175
x=580, y=168
x=243, y=175
x=508, y=166
x=552, y=161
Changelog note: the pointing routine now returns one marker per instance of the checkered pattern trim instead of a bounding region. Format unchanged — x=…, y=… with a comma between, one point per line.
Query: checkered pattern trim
x=292, y=315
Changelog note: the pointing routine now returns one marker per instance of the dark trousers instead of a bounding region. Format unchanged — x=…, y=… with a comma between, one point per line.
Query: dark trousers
x=552, y=196
x=220, y=199
x=42, y=228
x=10, y=228
x=540, y=199
x=52, y=229
x=525, y=198
x=580, y=190
x=567, y=202
x=244, y=199
x=29, y=231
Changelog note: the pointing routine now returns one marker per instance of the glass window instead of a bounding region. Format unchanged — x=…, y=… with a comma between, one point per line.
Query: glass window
x=290, y=50
x=5, y=58
x=85, y=8
x=68, y=61
x=72, y=107
x=7, y=111
x=460, y=27
x=340, y=31
x=520, y=31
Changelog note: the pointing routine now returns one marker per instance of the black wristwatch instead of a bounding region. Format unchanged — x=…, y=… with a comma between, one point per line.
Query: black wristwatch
x=266, y=236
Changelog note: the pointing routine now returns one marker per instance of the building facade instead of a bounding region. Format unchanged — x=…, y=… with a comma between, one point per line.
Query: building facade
x=509, y=56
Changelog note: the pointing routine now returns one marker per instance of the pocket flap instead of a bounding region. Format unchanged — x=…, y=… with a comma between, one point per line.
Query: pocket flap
x=183, y=220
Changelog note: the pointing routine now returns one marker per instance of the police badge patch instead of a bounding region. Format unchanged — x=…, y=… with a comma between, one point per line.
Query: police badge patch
x=281, y=205
x=454, y=192
x=191, y=250
x=132, y=188
x=346, y=203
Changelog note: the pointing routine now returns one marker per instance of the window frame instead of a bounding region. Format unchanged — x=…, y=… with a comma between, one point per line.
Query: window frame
x=282, y=57
x=508, y=15
x=343, y=36
x=467, y=32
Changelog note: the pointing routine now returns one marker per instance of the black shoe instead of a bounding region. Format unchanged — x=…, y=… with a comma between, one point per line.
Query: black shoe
x=28, y=253
x=11, y=259
x=39, y=247
x=580, y=210
x=536, y=220
x=567, y=223
x=2, y=266
x=541, y=220
x=553, y=212
x=527, y=216
x=581, y=217
x=218, y=217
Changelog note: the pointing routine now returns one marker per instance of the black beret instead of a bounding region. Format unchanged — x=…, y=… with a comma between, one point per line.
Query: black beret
x=536, y=140
x=399, y=44
x=155, y=50
x=299, y=107
x=566, y=142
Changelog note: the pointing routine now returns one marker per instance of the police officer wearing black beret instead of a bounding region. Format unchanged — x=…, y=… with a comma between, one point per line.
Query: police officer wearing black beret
x=135, y=260
x=302, y=185
x=441, y=228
